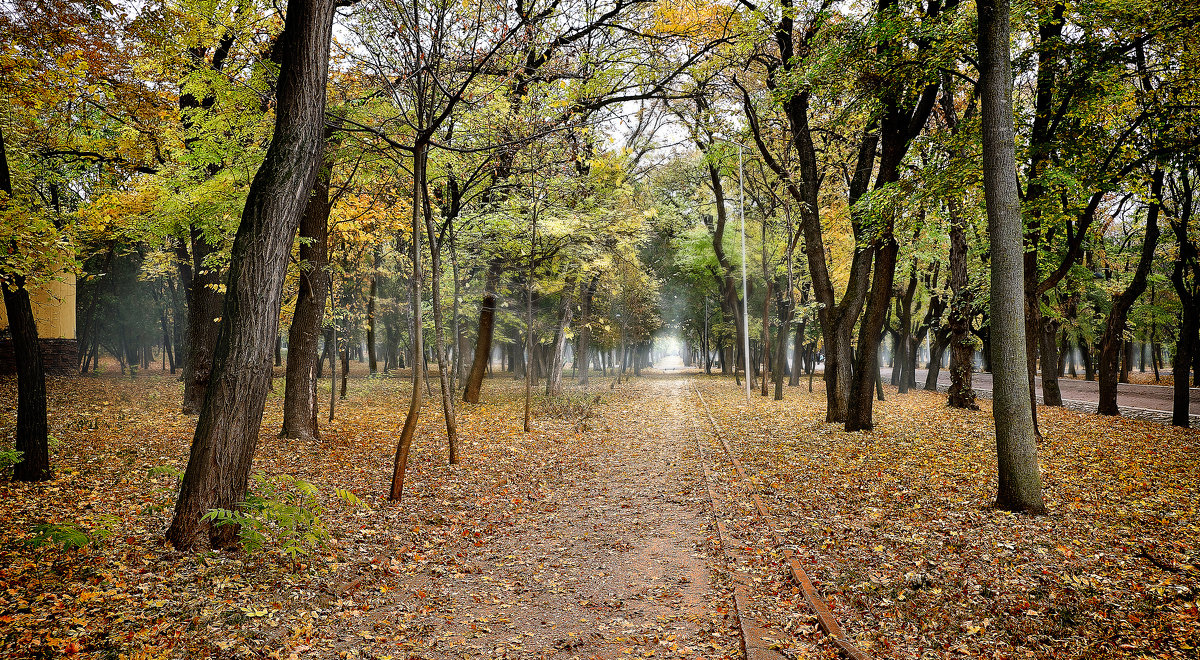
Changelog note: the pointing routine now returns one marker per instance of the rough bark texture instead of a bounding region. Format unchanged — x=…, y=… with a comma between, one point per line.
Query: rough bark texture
x=204, y=302
x=1113, y=340
x=483, y=339
x=31, y=438
x=962, y=303
x=300, y=386
x=1051, y=394
x=1019, y=479
x=227, y=431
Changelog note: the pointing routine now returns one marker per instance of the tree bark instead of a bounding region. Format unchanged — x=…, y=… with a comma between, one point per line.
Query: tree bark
x=32, y=434
x=303, y=367
x=404, y=443
x=937, y=349
x=227, y=431
x=1019, y=479
x=372, y=360
x=1113, y=339
x=483, y=339
x=962, y=302
x=1051, y=394
x=439, y=327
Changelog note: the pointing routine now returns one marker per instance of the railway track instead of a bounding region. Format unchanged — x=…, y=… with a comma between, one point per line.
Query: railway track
x=754, y=645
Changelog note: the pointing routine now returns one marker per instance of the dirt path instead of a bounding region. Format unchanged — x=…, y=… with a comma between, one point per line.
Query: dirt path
x=614, y=560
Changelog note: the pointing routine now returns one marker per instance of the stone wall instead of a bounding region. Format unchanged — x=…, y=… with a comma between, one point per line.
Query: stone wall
x=59, y=356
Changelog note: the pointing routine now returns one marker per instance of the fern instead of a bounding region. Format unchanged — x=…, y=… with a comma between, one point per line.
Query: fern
x=280, y=512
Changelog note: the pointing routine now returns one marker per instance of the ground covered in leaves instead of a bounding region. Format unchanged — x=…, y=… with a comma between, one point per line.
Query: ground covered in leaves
x=594, y=536
x=899, y=534
x=586, y=538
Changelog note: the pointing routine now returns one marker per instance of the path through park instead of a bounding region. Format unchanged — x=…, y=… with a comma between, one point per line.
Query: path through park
x=618, y=528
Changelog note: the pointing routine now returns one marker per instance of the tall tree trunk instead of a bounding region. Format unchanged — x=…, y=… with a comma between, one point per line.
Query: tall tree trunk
x=1185, y=278
x=1089, y=362
x=303, y=363
x=227, y=431
x=1113, y=339
x=372, y=360
x=785, y=321
x=1185, y=348
x=962, y=345
x=1019, y=479
x=32, y=435
x=938, y=343
x=404, y=443
x=866, y=365
x=439, y=329
x=483, y=339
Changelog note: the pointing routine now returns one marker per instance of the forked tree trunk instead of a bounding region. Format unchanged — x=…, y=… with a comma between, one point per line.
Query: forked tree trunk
x=227, y=431
x=1019, y=479
x=439, y=329
x=1112, y=341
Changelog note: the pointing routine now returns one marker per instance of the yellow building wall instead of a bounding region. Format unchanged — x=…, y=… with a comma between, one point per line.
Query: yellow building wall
x=53, y=307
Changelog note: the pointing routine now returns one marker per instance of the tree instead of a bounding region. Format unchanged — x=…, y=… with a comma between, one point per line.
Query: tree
x=1185, y=277
x=227, y=431
x=300, y=386
x=1113, y=340
x=1020, y=482
x=31, y=438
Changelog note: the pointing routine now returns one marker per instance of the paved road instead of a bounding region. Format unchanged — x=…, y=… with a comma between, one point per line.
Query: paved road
x=1148, y=397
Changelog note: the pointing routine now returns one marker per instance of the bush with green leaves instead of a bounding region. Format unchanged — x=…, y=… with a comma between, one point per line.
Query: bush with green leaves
x=9, y=458
x=280, y=512
x=72, y=536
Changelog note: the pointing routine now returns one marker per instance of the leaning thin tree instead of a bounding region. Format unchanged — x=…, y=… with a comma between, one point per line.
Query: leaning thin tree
x=1020, y=482
x=227, y=431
